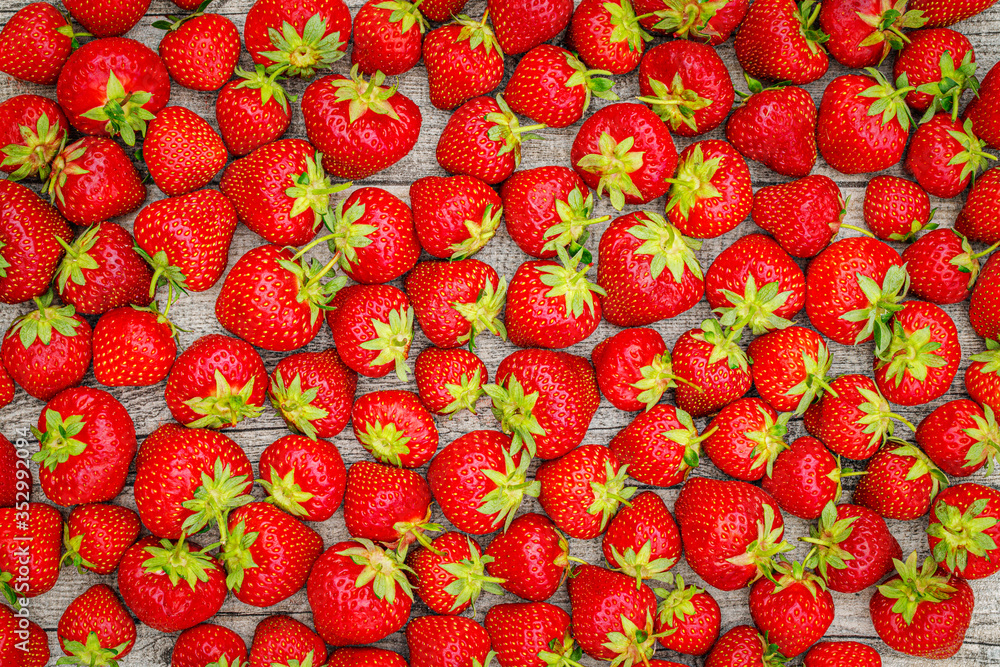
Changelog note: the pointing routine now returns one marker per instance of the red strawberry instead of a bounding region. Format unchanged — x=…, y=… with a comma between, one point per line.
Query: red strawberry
x=984, y=305
x=447, y=641
x=365, y=657
x=252, y=110
x=550, y=85
x=387, y=504
x=43, y=530
x=182, y=151
x=779, y=41
x=450, y=573
x=804, y=478
x=642, y=540
x=32, y=130
x=864, y=32
x=95, y=628
x=440, y=11
x=316, y=37
x=688, y=618
x=97, y=536
x=743, y=645
x=660, y=447
x=633, y=368
x=313, y=391
x=710, y=194
x=703, y=20
x=521, y=25
x=107, y=20
x=792, y=609
x=713, y=369
x=456, y=301
x=960, y=437
x=449, y=381
x=804, y=215
x=48, y=349
x=981, y=377
x=612, y=618
x=941, y=65
x=897, y=209
x=388, y=37
x=982, y=109
x=217, y=382
x=945, y=155
x=853, y=548
x=790, y=368
x=16, y=477
x=607, y=36
x=395, y=427
x=373, y=330
x=35, y=43
x=454, y=217
x=901, y=482
x=102, y=271
x=92, y=180
x=463, y=61
x=304, y=477
x=939, y=13
x=531, y=557
x=922, y=613
x=977, y=219
x=625, y=151
x=777, y=127
x=373, y=232
x=30, y=251
x=283, y=640
x=963, y=530
x=207, y=643
x=745, y=438
x=200, y=50
x=531, y=635
x=842, y=654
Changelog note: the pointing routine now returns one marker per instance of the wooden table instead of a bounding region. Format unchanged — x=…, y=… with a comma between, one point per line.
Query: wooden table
x=194, y=315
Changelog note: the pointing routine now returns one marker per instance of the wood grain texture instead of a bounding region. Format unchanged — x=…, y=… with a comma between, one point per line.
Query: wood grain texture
x=194, y=315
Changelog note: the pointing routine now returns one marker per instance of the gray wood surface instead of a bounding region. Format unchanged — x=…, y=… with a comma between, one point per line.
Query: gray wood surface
x=194, y=315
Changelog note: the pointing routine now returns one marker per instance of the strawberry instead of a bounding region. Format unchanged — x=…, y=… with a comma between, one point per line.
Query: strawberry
x=447, y=641
x=922, y=612
x=48, y=349
x=804, y=478
x=169, y=586
x=388, y=37
x=456, y=301
x=478, y=484
x=102, y=271
x=941, y=14
x=92, y=180
x=745, y=438
x=633, y=253
x=743, y=645
x=703, y=20
x=983, y=315
x=804, y=215
x=283, y=640
x=43, y=530
x=853, y=419
x=268, y=555
x=960, y=437
x=625, y=151
x=110, y=20
x=582, y=490
x=612, y=618
x=864, y=32
x=792, y=609
x=188, y=478
x=186, y=239
x=945, y=155
x=112, y=87
x=35, y=43
x=642, y=540
x=777, y=127
x=373, y=330
x=660, y=446
x=450, y=573
x=687, y=85
x=440, y=11
x=182, y=151
x=779, y=41
x=387, y=504
x=710, y=194
x=981, y=377
x=941, y=65
x=207, y=643
x=365, y=657
x=200, y=51
x=304, y=477
x=790, y=368
x=454, y=216
x=395, y=427
x=358, y=594
x=550, y=85
x=35, y=652
x=16, y=477
x=607, y=36
x=449, y=381
x=96, y=629
x=633, y=368
x=532, y=634
x=97, y=536
x=730, y=530
x=852, y=548
x=982, y=109
x=217, y=382
x=977, y=219
x=712, y=368
x=280, y=191
x=897, y=209
x=373, y=232
x=552, y=304
x=530, y=556
x=30, y=251
x=360, y=127
x=963, y=530
x=483, y=139
x=842, y=654
x=252, y=110
x=688, y=618
x=463, y=61
x=901, y=482
x=32, y=130
x=313, y=392
x=299, y=35
x=521, y=25
x=545, y=399
x=86, y=441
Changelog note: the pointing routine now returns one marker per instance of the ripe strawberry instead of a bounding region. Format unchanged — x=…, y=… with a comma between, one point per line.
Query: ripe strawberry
x=941, y=14
x=280, y=191
x=743, y=645
x=625, y=151
x=358, y=594
x=804, y=478
x=942, y=266
x=607, y=36
x=531, y=635
x=984, y=314
x=217, y=382
x=960, y=437
x=182, y=151
x=688, y=618
x=440, y=11
x=702, y=20
x=977, y=219
x=35, y=43
x=687, y=85
x=521, y=25
x=304, y=477
x=710, y=194
x=790, y=368
x=16, y=477
x=864, y=32
x=612, y=618
x=478, y=484
x=530, y=556
x=634, y=252
x=941, y=65
x=360, y=127
x=550, y=85
x=923, y=355
x=207, y=643
x=313, y=392
x=713, y=369
x=897, y=209
x=96, y=629
x=283, y=640
x=388, y=37
x=982, y=109
x=921, y=612
x=43, y=530
x=169, y=586
x=981, y=377
x=200, y=51
x=779, y=41
x=463, y=61
x=447, y=641
x=373, y=330
x=92, y=180
x=32, y=130
x=35, y=651
x=853, y=548
x=745, y=438
x=456, y=301
x=252, y=110
x=97, y=536
x=454, y=216
x=107, y=20
x=945, y=155
x=450, y=573
x=804, y=215
x=901, y=482
x=30, y=251
x=48, y=349
x=387, y=504
x=395, y=427
x=660, y=446
x=268, y=555
x=449, y=381
x=633, y=368
x=792, y=608
x=842, y=654
x=373, y=232
x=102, y=271
x=963, y=530
x=642, y=540
x=365, y=657
x=316, y=37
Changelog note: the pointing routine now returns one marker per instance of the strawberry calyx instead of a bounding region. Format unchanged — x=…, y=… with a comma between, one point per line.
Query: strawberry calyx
x=689, y=439
x=225, y=405
x=668, y=248
x=312, y=189
x=689, y=19
x=675, y=604
x=922, y=465
x=487, y=661
x=838, y=474
x=392, y=340
x=657, y=377
x=507, y=129
x=693, y=182
x=512, y=408
x=961, y=533
x=915, y=586
x=73, y=544
x=383, y=570
x=879, y=419
x=633, y=645
x=574, y=218
x=610, y=493
x=890, y=100
x=640, y=566
x=910, y=353
x=807, y=13
x=888, y=25
x=179, y=562
x=593, y=81
x=480, y=232
x=347, y=235
x=77, y=258
x=990, y=358
x=407, y=14
x=483, y=314
x=772, y=656
x=470, y=579
x=826, y=537
x=986, y=445
x=8, y=592
x=63, y=166
x=570, y=282
x=365, y=96
x=972, y=157
x=769, y=441
x=39, y=324
x=754, y=87
x=723, y=342
x=164, y=273
x=223, y=661
x=946, y=93
x=755, y=308
x=563, y=652
x=38, y=147
x=386, y=442
x=309, y=277
x=478, y=33
x=218, y=494
x=416, y=531
x=307, y=661
x=883, y=301
x=614, y=163
x=124, y=111
x=512, y=486
x=237, y=557
x=465, y=394
x=676, y=105
x=4, y=264
x=626, y=27
x=267, y=83
x=296, y=406
x=787, y=574
x=301, y=55
x=816, y=382
x=91, y=652
x=769, y=543
x=967, y=261
x=286, y=493
x=58, y=442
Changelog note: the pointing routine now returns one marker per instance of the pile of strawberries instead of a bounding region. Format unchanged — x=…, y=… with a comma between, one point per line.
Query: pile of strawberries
x=198, y=534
